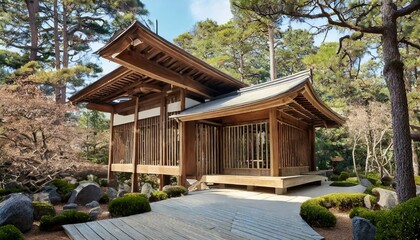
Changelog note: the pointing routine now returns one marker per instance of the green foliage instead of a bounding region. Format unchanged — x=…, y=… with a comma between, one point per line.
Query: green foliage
x=344, y=175
x=334, y=177
x=175, y=191
x=135, y=194
x=373, y=216
x=417, y=180
x=316, y=215
x=401, y=222
x=344, y=201
x=64, y=188
x=4, y=192
x=128, y=205
x=369, y=189
x=152, y=179
x=96, y=144
x=352, y=180
x=158, y=196
x=104, y=198
x=343, y=184
x=48, y=223
x=43, y=209
x=387, y=181
x=10, y=232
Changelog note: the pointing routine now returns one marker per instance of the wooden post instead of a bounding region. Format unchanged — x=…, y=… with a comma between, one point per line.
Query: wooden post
x=134, y=176
x=312, y=166
x=110, y=153
x=163, y=179
x=182, y=145
x=274, y=143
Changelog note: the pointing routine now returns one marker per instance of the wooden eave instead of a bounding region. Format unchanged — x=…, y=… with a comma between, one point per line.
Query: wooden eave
x=141, y=50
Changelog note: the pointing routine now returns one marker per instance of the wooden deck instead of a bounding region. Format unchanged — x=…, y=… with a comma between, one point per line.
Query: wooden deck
x=280, y=184
x=213, y=214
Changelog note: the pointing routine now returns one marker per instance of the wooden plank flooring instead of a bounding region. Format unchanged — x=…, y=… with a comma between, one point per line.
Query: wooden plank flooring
x=213, y=214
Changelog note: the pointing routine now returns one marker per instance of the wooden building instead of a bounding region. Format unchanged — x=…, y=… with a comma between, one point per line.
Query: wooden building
x=173, y=114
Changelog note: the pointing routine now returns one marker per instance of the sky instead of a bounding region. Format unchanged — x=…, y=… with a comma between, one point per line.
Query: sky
x=178, y=16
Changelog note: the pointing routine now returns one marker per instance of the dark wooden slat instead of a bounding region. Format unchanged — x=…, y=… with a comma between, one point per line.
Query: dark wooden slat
x=101, y=231
x=72, y=231
x=115, y=230
x=87, y=232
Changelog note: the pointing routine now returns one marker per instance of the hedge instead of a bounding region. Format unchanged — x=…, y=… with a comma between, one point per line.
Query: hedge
x=128, y=205
x=373, y=216
x=175, y=191
x=10, y=232
x=48, y=223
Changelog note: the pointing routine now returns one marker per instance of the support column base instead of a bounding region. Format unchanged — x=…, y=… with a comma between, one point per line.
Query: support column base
x=280, y=191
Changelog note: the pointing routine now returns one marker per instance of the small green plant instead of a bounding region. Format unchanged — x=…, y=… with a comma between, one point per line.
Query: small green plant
x=128, y=205
x=64, y=188
x=343, y=184
x=175, y=191
x=158, y=196
x=344, y=175
x=10, y=232
x=43, y=209
x=104, y=198
x=334, y=177
x=48, y=223
x=103, y=182
x=373, y=216
x=136, y=194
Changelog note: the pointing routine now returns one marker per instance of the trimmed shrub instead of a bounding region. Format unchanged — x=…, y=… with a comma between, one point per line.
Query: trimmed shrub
x=343, y=184
x=344, y=175
x=334, y=178
x=10, y=232
x=175, y=191
x=373, y=216
x=344, y=201
x=158, y=196
x=387, y=181
x=136, y=194
x=43, y=209
x=128, y=205
x=48, y=223
x=316, y=215
x=104, y=198
x=401, y=222
x=64, y=188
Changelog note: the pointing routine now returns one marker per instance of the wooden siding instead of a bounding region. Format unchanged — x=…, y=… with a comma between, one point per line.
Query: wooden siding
x=207, y=149
x=149, y=141
x=294, y=145
x=122, y=143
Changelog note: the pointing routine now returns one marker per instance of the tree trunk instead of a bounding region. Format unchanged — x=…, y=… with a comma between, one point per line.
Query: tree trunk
x=353, y=154
x=241, y=66
x=394, y=76
x=33, y=8
x=273, y=65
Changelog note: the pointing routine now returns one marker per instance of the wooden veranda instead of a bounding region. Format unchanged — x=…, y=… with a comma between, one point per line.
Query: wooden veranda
x=172, y=114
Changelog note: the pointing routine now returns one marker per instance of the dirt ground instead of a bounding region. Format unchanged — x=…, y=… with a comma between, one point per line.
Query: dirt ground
x=343, y=230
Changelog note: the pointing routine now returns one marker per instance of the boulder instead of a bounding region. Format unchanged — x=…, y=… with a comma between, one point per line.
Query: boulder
x=54, y=197
x=94, y=213
x=85, y=193
x=368, y=204
x=386, y=199
x=363, y=229
x=18, y=211
x=417, y=190
x=50, y=188
x=70, y=206
x=147, y=189
x=41, y=197
x=365, y=183
x=92, y=204
x=112, y=193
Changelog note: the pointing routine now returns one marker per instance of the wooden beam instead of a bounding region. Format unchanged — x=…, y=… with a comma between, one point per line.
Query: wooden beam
x=136, y=62
x=134, y=176
x=312, y=163
x=274, y=143
x=119, y=167
x=156, y=169
x=162, y=136
x=100, y=107
x=183, y=145
x=110, y=150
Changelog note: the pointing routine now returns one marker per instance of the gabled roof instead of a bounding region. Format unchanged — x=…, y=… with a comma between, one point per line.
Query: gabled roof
x=294, y=90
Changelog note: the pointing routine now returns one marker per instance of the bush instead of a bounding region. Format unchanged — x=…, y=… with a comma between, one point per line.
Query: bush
x=103, y=182
x=373, y=216
x=175, y=191
x=343, y=184
x=10, y=232
x=4, y=192
x=401, y=222
x=334, y=178
x=344, y=175
x=43, y=209
x=344, y=201
x=353, y=180
x=49, y=223
x=104, y=198
x=387, y=181
x=315, y=215
x=64, y=188
x=128, y=205
x=136, y=194
x=158, y=196
x=369, y=189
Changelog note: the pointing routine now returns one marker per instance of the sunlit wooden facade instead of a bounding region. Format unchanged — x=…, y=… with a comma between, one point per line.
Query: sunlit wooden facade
x=173, y=114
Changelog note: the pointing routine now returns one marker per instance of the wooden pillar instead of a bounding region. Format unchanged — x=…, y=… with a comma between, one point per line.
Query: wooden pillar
x=312, y=163
x=134, y=176
x=182, y=145
x=163, y=118
x=274, y=143
x=111, y=153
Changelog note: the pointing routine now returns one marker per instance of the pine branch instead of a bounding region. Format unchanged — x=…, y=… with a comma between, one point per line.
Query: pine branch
x=412, y=7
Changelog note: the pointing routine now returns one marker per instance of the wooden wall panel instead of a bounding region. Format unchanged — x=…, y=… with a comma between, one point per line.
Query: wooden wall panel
x=123, y=136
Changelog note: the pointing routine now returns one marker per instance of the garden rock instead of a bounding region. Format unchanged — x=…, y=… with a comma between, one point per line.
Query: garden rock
x=386, y=199
x=417, y=190
x=50, y=188
x=18, y=211
x=70, y=206
x=123, y=189
x=365, y=183
x=71, y=180
x=112, y=193
x=147, y=189
x=94, y=213
x=368, y=204
x=85, y=193
x=41, y=197
x=363, y=229
x=54, y=197
x=92, y=204
x=166, y=187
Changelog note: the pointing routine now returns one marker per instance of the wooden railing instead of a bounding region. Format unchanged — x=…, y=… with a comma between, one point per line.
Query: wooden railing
x=172, y=141
x=123, y=143
x=149, y=141
x=294, y=143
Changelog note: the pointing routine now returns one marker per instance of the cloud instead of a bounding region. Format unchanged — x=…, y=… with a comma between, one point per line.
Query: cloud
x=218, y=10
